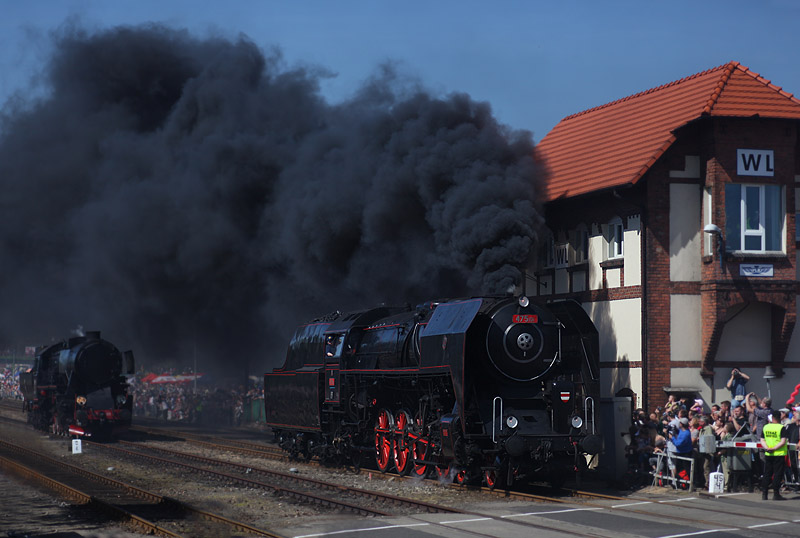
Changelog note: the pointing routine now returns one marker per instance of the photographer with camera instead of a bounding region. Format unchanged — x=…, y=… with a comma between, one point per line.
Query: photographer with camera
x=736, y=384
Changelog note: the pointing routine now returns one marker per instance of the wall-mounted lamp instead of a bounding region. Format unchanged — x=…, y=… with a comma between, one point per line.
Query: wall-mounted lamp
x=715, y=230
x=768, y=375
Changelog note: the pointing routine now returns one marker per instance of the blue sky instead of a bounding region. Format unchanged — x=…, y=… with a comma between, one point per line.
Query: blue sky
x=533, y=61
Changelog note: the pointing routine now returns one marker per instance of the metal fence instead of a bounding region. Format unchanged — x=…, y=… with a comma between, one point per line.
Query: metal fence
x=737, y=461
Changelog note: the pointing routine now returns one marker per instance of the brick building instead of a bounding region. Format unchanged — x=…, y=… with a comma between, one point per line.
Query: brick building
x=632, y=185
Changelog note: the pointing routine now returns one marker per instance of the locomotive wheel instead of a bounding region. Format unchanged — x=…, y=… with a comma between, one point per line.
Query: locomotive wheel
x=400, y=445
x=419, y=448
x=490, y=477
x=419, y=451
x=444, y=474
x=383, y=440
x=461, y=477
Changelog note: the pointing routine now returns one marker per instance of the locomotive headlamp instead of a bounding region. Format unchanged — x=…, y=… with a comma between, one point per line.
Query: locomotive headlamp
x=512, y=422
x=576, y=422
x=81, y=400
x=523, y=301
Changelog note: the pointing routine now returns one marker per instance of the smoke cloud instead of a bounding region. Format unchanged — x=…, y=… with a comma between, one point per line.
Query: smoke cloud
x=178, y=192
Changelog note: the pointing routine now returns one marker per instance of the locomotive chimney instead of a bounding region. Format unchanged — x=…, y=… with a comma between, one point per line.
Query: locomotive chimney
x=93, y=335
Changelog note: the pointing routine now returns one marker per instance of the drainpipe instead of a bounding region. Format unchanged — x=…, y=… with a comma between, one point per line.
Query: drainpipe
x=643, y=278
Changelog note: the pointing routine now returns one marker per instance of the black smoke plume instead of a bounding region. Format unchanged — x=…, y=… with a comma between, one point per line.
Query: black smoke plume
x=180, y=193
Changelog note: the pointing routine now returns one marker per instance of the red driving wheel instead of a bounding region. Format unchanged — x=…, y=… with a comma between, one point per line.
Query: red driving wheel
x=383, y=440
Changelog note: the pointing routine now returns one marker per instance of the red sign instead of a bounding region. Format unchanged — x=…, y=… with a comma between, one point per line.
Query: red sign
x=525, y=318
x=565, y=396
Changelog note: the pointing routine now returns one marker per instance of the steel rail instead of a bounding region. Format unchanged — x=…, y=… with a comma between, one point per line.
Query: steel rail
x=137, y=492
x=80, y=497
x=309, y=482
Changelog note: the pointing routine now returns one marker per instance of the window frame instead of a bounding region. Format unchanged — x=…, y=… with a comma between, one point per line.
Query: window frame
x=765, y=231
x=616, y=239
x=580, y=245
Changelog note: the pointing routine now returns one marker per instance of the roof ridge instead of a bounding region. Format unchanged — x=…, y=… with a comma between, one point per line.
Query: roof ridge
x=723, y=81
x=653, y=90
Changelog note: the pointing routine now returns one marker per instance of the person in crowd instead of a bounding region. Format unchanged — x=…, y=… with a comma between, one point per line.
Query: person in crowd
x=725, y=410
x=683, y=447
x=703, y=459
x=719, y=426
x=659, y=447
x=736, y=384
x=739, y=419
x=793, y=436
x=724, y=460
x=774, y=439
x=672, y=404
x=759, y=410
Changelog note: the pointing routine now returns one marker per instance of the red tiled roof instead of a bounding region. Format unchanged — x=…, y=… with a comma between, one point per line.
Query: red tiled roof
x=617, y=143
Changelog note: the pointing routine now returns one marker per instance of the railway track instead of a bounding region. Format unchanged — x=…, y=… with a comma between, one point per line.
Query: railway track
x=636, y=507
x=249, y=448
x=148, y=512
x=339, y=497
x=235, y=445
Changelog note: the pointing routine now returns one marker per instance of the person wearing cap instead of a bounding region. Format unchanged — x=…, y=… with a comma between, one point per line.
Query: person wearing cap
x=683, y=444
x=774, y=440
x=784, y=411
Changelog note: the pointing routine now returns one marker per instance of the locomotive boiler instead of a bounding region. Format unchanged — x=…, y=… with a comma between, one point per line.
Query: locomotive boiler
x=78, y=387
x=497, y=389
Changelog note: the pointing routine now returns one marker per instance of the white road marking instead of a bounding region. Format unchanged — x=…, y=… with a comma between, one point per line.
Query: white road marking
x=631, y=504
x=552, y=512
x=768, y=524
x=709, y=531
x=362, y=530
x=464, y=521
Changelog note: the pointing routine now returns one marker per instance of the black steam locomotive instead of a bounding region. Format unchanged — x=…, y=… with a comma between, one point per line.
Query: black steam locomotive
x=78, y=387
x=492, y=388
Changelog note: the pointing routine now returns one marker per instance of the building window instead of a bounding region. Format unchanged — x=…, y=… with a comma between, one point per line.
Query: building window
x=797, y=210
x=754, y=218
x=547, y=255
x=615, y=238
x=708, y=208
x=580, y=244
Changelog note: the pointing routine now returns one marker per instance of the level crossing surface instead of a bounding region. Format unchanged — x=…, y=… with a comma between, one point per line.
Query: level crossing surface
x=652, y=515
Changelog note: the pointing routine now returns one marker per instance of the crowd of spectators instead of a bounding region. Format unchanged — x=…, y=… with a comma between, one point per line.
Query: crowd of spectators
x=690, y=428
x=183, y=402
x=9, y=384
x=186, y=402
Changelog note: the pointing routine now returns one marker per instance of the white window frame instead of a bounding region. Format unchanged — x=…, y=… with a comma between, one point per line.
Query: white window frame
x=549, y=254
x=759, y=231
x=616, y=239
x=708, y=208
x=580, y=246
x=797, y=208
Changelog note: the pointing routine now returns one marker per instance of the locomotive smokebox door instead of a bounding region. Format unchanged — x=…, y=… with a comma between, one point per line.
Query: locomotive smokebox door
x=562, y=394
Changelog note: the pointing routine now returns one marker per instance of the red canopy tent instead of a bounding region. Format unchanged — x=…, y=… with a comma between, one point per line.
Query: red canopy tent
x=172, y=379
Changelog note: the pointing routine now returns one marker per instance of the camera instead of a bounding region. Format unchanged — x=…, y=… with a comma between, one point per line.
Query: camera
x=736, y=373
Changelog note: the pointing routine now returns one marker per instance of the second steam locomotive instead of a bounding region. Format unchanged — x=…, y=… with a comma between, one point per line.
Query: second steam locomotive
x=78, y=387
x=492, y=388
